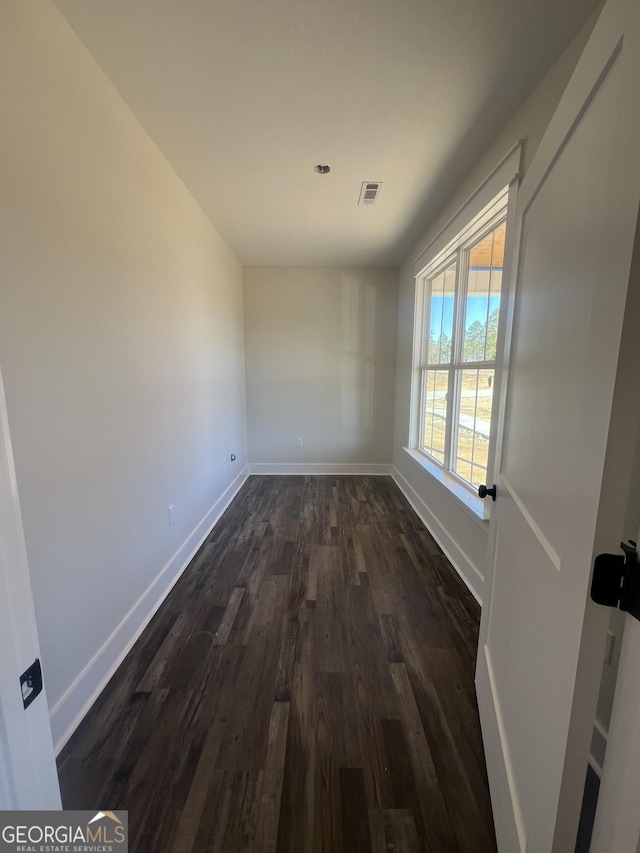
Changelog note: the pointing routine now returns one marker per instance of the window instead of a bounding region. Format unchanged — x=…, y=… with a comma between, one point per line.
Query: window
x=456, y=348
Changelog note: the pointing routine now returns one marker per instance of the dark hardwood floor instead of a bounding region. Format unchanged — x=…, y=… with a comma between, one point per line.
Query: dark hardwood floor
x=306, y=686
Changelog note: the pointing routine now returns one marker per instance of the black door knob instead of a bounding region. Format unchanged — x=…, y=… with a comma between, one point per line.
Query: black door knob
x=483, y=491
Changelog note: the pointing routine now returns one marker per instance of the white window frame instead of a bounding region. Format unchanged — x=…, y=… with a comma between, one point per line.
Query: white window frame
x=493, y=203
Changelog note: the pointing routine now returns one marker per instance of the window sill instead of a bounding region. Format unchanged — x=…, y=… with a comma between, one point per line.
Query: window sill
x=474, y=506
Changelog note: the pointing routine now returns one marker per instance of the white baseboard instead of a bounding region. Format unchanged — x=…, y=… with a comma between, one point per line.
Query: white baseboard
x=459, y=559
x=599, y=737
x=509, y=824
x=593, y=764
x=69, y=711
x=315, y=468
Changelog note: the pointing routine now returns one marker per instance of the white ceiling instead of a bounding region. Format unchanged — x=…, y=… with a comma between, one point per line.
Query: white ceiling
x=245, y=97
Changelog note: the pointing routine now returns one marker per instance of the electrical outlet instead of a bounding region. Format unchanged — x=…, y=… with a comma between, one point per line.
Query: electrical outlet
x=298, y=442
x=233, y=457
x=171, y=515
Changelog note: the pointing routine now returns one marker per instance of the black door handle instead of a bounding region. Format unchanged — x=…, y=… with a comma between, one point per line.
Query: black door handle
x=483, y=491
x=31, y=683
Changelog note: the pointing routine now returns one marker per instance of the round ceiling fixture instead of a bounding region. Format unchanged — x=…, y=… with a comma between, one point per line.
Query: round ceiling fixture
x=321, y=170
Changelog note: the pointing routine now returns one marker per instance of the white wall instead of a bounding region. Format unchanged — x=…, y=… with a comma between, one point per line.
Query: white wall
x=463, y=537
x=320, y=355
x=121, y=344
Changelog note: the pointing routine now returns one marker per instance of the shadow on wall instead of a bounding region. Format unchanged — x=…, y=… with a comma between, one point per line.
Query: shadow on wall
x=320, y=345
x=357, y=359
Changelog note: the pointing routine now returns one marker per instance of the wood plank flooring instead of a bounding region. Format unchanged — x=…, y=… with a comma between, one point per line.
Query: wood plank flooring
x=306, y=686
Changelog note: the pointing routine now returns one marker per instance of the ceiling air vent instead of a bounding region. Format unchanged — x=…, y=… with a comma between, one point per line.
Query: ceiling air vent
x=369, y=192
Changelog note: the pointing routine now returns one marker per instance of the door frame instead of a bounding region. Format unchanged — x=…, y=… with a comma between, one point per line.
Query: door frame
x=28, y=774
x=617, y=821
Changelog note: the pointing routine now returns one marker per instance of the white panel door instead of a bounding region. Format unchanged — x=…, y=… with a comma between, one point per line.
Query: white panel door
x=558, y=501
x=28, y=775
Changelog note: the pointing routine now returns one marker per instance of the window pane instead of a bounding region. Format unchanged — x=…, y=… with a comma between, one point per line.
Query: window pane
x=436, y=383
x=482, y=308
x=474, y=424
x=441, y=316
